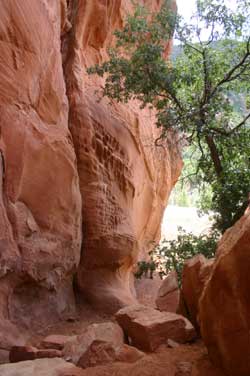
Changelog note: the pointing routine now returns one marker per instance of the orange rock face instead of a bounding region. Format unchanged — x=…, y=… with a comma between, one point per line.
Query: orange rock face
x=125, y=181
x=70, y=167
x=40, y=202
x=195, y=273
x=225, y=302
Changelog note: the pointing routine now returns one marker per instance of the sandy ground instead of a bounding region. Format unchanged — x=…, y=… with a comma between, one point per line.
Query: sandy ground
x=164, y=362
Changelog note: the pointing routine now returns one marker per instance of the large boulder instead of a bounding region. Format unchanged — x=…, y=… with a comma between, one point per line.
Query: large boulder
x=98, y=344
x=148, y=328
x=168, y=296
x=225, y=304
x=196, y=272
x=125, y=181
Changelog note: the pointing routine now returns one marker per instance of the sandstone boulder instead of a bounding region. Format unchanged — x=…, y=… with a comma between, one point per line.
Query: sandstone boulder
x=225, y=303
x=168, y=297
x=102, y=353
x=148, y=328
x=40, y=367
x=195, y=273
x=98, y=343
x=129, y=354
x=97, y=353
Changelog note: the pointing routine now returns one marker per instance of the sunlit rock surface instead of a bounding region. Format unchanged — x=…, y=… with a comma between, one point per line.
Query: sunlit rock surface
x=125, y=180
x=225, y=303
x=40, y=202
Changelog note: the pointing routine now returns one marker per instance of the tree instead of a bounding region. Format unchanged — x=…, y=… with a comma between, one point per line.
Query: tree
x=194, y=94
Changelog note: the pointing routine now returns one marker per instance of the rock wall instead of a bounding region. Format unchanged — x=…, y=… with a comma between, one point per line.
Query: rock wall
x=225, y=304
x=71, y=168
x=40, y=203
x=124, y=180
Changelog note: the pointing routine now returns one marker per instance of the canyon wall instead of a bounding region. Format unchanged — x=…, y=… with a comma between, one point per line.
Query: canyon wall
x=83, y=187
x=225, y=304
x=125, y=180
x=40, y=232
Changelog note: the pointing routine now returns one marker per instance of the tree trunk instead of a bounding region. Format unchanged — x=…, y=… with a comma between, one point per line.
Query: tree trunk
x=214, y=155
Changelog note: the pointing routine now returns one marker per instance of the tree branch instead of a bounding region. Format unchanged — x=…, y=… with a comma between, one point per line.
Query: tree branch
x=240, y=124
x=228, y=76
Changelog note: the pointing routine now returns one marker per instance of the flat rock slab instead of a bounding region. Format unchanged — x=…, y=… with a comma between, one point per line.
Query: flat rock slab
x=149, y=328
x=40, y=367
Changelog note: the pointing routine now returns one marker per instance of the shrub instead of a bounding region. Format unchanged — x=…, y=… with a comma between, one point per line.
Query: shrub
x=171, y=254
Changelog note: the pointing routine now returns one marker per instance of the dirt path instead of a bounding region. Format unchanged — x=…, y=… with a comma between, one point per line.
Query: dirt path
x=164, y=362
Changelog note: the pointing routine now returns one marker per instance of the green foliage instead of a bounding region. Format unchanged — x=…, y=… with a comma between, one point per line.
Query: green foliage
x=174, y=253
x=195, y=93
x=145, y=268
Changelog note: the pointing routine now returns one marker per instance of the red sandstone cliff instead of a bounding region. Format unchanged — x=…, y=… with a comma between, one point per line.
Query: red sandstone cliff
x=40, y=199
x=124, y=180
x=225, y=304
x=82, y=186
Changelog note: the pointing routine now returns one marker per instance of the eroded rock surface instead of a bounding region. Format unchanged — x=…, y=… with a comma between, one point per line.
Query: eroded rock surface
x=99, y=342
x=40, y=202
x=124, y=180
x=225, y=303
x=59, y=147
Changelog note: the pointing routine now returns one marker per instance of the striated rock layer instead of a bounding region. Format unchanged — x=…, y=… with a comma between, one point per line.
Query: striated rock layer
x=40, y=202
x=70, y=167
x=124, y=179
x=225, y=303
